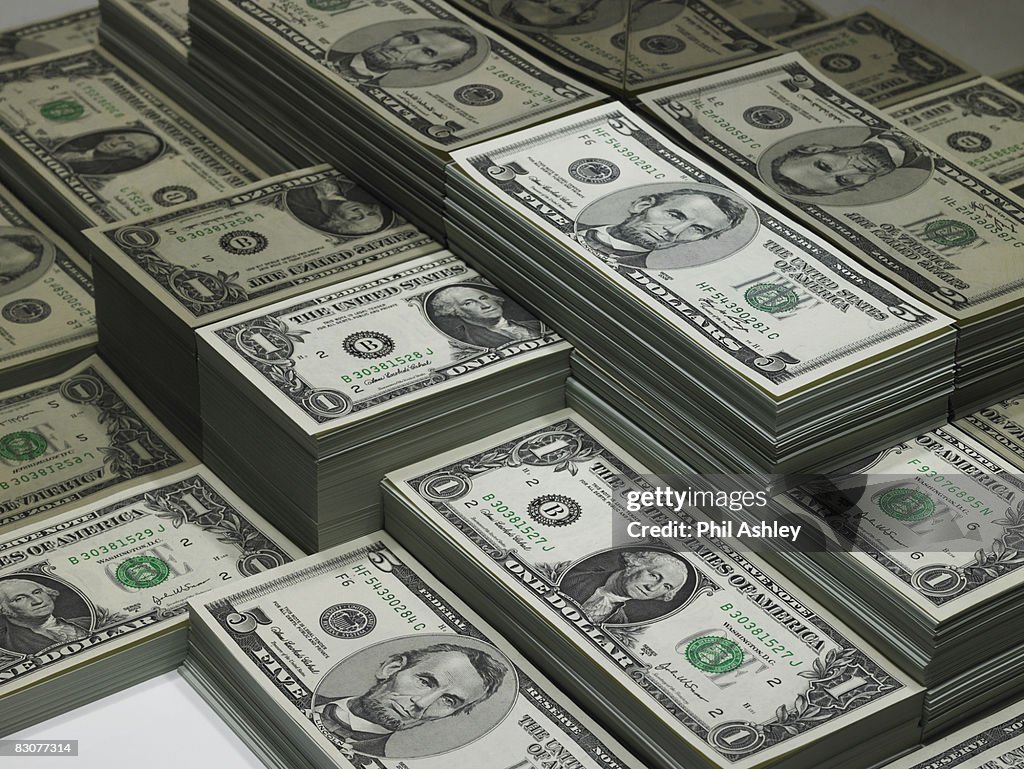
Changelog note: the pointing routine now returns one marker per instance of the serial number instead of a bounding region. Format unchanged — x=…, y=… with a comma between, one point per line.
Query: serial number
x=118, y=544
x=42, y=472
x=761, y=634
x=213, y=229
x=517, y=521
x=396, y=603
x=949, y=486
x=386, y=365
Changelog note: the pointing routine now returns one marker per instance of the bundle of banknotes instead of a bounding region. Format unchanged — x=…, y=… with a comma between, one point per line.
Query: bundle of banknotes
x=60, y=33
x=1014, y=79
x=980, y=124
x=85, y=141
x=47, y=320
x=1000, y=426
x=629, y=45
x=386, y=90
x=160, y=277
x=755, y=345
x=874, y=58
x=895, y=201
x=774, y=17
x=307, y=403
x=993, y=742
x=75, y=438
x=699, y=654
x=95, y=599
x=925, y=560
x=152, y=38
x=359, y=657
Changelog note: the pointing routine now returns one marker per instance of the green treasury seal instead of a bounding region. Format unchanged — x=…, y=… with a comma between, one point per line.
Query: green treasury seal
x=22, y=446
x=906, y=504
x=142, y=571
x=714, y=654
x=947, y=232
x=771, y=297
x=62, y=110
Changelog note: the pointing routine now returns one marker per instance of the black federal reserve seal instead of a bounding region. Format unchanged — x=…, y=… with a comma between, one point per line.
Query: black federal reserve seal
x=368, y=345
x=554, y=510
x=594, y=171
x=840, y=63
x=969, y=141
x=26, y=311
x=348, y=620
x=768, y=117
x=173, y=195
x=662, y=45
x=478, y=95
x=243, y=242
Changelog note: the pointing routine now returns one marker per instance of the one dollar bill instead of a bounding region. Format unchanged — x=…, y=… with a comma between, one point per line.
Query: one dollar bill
x=106, y=142
x=228, y=255
x=418, y=65
x=66, y=440
x=933, y=518
x=46, y=301
x=713, y=648
x=774, y=17
x=629, y=44
x=980, y=124
x=749, y=286
x=1014, y=79
x=100, y=579
x=61, y=33
x=892, y=200
x=165, y=19
x=875, y=59
x=1001, y=428
x=341, y=354
x=381, y=666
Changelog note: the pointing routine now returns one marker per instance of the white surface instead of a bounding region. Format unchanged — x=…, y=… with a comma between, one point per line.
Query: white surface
x=983, y=33
x=163, y=724
x=15, y=13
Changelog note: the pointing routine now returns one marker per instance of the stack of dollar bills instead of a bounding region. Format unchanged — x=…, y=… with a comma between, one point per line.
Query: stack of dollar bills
x=85, y=141
x=152, y=38
x=1000, y=426
x=876, y=59
x=993, y=742
x=159, y=277
x=629, y=45
x=926, y=561
x=980, y=124
x=898, y=203
x=774, y=17
x=47, y=321
x=75, y=438
x=308, y=402
x=360, y=657
x=58, y=33
x=700, y=655
x=1014, y=79
x=95, y=600
x=384, y=89
x=752, y=343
